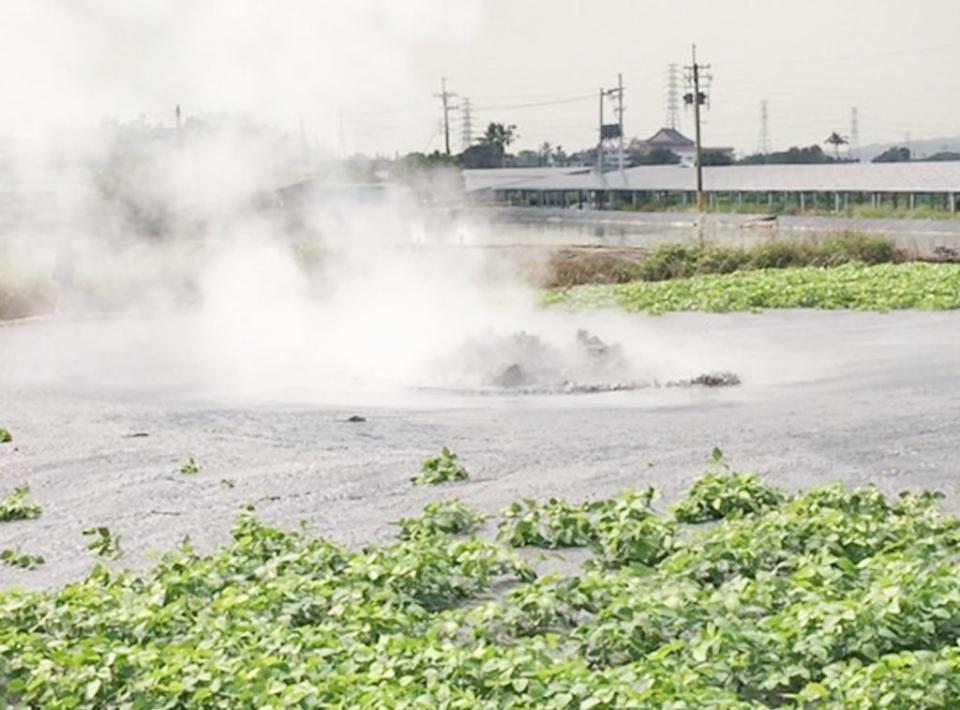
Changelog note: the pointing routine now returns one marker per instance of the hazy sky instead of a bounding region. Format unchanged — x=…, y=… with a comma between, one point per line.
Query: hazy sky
x=362, y=73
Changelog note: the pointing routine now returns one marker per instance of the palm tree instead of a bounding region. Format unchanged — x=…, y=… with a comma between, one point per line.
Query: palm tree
x=836, y=140
x=498, y=137
x=546, y=153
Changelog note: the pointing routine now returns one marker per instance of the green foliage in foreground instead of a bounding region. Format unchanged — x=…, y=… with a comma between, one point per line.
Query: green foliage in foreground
x=716, y=495
x=441, y=469
x=16, y=506
x=103, y=543
x=441, y=517
x=5, y=436
x=855, y=286
x=15, y=558
x=833, y=598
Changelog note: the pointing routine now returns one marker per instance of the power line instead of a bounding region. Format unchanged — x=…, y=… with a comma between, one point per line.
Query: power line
x=535, y=95
x=574, y=99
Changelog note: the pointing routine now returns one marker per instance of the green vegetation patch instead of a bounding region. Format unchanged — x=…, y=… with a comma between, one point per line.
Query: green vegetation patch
x=680, y=260
x=5, y=436
x=441, y=517
x=717, y=495
x=855, y=286
x=672, y=261
x=16, y=506
x=190, y=467
x=441, y=469
x=834, y=597
x=14, y=557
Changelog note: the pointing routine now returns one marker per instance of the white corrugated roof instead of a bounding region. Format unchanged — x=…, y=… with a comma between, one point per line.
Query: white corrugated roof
x=847, y=177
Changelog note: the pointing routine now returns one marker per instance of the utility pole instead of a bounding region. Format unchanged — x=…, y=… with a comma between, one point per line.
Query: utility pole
x=855, y=133
x=466, y=127
x=614, y=130
x=177, y=112
x=445, y=97
x=620, y=120
x=673, y=103
x=695, y=74
x=600, y=138
x=764, y=130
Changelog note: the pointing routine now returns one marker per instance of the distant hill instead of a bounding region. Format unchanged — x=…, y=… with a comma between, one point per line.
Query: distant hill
x=918, y=148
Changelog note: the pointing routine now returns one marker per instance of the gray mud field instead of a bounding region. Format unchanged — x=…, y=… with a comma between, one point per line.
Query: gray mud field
x=852, y=397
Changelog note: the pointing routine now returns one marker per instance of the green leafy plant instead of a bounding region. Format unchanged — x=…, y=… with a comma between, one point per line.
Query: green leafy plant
x=630, y=533
x=717, y=495
x=103, y=542
x=441, y=469
x=854, y=286
x=15, y=558
x=189, y=467
x=5, y=436
x=451, y=517
x=227, y=483
x=835, y=597
x=552, y=523
x=16, y=506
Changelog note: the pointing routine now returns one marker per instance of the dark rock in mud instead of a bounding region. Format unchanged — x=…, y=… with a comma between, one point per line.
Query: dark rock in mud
x=716, y=379
x=356, y=418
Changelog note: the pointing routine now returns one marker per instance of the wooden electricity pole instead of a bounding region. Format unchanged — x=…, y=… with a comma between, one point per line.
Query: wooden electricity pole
x=697, y=98
x=445, y=97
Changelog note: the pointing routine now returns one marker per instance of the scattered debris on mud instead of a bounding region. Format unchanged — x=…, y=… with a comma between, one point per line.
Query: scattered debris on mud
x=524, y=363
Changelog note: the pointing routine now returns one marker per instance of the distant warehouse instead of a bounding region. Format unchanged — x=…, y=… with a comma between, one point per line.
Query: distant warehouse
x=933, y=186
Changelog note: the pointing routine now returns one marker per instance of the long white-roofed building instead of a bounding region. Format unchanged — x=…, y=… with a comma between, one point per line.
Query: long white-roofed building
x=803, y=187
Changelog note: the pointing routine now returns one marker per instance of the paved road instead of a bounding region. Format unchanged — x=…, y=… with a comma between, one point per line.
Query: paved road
x=825, y=397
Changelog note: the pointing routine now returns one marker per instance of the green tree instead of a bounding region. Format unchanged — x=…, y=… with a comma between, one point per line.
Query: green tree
x=657, y=156
x=715, y=157
x=896, y=154
x=491, y=148
x=499, y=136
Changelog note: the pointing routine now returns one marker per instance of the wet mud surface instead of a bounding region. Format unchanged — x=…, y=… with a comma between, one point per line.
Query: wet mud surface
x=823, y=397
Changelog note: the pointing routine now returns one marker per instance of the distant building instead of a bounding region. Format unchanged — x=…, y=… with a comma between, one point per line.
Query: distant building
x=674, y=141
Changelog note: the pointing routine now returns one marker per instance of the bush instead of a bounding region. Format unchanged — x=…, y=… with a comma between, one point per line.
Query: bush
x=441, y=518
x=441, y=469
x=717, y=495
x=674, y=261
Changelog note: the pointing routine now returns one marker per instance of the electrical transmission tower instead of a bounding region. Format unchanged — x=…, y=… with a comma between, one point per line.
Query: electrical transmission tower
x=445, y=97
x=673, y=97
x=698, y=94
x=764, y=147
x=466, y=125
x=855, y=133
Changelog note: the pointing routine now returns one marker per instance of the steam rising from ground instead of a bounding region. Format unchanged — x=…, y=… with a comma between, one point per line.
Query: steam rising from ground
x=372, y=298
